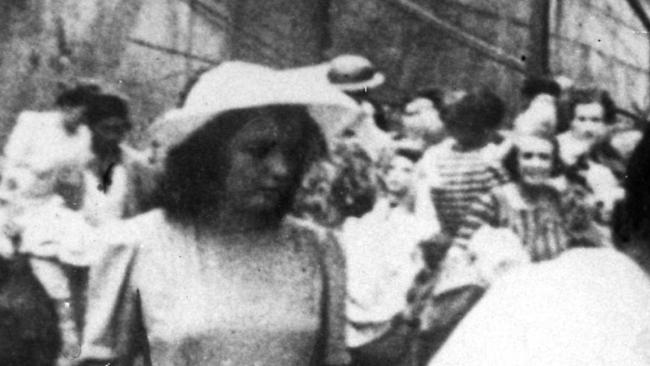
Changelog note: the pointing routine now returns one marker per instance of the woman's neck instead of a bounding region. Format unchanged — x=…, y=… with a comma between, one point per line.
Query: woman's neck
x=231, y=222
x=536, y=192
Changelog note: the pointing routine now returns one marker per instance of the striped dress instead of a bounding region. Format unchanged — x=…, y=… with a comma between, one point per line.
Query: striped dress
x=540, y=225
x=456, y=179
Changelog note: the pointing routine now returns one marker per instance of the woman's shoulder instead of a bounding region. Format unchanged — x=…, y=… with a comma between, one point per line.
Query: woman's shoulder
x=307, y=233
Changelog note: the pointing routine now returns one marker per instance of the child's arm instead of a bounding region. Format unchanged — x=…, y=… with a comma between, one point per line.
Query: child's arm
x=57, y=233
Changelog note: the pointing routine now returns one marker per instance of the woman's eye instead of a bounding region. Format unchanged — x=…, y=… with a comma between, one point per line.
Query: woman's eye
x=260, y=151
x=527, y=155
x=545, y=156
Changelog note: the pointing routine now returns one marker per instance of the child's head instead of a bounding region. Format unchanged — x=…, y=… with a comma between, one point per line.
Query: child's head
x=39, y=148
x=421, y=117
x=474, y=117
x=400, y=171
x=592, y=112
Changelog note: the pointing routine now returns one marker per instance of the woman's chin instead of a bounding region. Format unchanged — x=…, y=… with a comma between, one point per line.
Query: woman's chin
x=534, y=183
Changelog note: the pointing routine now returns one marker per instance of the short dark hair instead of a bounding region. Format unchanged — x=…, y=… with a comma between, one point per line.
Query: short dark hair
x=511, y=161
x=480, y=108
x=197, y=167
x=534, y=86
x=592, y=95
x=435, y=95
x=97, y=103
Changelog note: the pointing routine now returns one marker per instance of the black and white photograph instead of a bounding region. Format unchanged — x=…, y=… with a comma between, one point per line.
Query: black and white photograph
x=324, y=182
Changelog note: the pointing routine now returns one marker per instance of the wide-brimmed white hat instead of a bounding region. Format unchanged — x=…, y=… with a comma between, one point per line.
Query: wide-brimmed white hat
x=237, y=85
x=354, y=73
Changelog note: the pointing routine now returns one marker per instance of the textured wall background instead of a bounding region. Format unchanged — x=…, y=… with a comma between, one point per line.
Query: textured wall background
x=44, y=42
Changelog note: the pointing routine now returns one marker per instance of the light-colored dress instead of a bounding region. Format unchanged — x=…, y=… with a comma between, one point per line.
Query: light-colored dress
x=199, y=303
x=382, y=254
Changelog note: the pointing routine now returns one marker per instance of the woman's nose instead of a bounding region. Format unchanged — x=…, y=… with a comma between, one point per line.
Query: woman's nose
x=278, y=165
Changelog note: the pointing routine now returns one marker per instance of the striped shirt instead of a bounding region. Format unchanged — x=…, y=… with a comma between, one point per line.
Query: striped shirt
x=456, y=178
x=539, y=225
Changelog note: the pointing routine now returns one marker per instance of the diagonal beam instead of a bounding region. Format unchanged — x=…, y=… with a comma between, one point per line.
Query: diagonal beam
x=640, y=13
x=171, y=51
x=494, y=53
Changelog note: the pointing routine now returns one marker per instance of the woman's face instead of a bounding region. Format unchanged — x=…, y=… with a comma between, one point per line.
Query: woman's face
x=589, y=122
x=535, y=159
x=399, y=176
x=263, y=164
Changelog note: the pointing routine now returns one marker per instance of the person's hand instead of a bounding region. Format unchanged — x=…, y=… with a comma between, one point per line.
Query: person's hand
x=41, y=249
x=6, y=247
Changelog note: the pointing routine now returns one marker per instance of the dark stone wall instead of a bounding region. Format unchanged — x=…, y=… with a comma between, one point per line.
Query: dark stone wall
x=46, y=42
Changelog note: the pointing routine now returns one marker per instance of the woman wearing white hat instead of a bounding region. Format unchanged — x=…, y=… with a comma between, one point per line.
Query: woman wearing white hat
x=218, y=275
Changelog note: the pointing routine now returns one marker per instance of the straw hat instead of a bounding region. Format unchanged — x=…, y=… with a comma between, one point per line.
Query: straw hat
x=236, y=85
x=354, y=73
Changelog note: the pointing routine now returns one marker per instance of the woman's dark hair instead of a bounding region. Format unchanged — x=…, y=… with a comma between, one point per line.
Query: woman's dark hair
x=511, y=161
x=196, y=168
x=592, y=95
x=632, y=216
x=481, y=108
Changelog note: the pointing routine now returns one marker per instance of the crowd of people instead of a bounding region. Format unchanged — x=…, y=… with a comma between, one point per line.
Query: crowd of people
x=285, y=217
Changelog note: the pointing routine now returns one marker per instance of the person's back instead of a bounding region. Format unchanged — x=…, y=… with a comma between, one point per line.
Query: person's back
x=456, y=178
x=588, y=307
x=459, y=169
